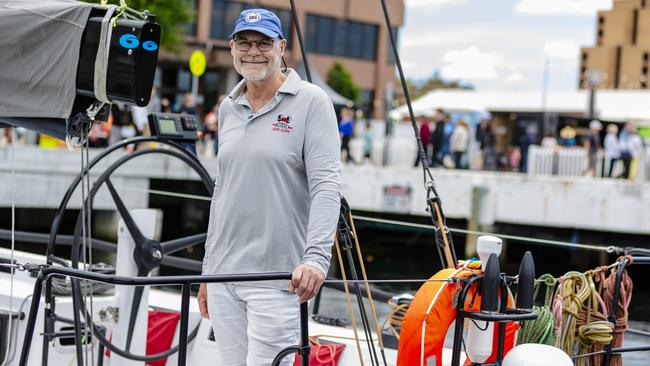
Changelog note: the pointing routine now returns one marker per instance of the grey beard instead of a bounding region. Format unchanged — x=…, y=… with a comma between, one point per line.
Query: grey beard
x=271, y=68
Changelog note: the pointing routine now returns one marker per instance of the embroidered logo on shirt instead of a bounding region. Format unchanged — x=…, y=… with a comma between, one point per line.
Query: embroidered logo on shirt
x=282, y=124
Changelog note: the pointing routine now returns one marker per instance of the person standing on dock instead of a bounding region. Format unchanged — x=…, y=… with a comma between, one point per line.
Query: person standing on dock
x=276, y=200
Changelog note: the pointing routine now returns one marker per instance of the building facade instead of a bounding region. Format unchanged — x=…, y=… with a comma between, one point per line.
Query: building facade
x=620, y=57
x=352, y=32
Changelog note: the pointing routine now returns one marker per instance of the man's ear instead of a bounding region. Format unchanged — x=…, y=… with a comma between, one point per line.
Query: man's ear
x=232, y=47
x=283, y=46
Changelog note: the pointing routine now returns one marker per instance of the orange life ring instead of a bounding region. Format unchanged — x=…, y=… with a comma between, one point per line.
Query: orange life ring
x=430, y=315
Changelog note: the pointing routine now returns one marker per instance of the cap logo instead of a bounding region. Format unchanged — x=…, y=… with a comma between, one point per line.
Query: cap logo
x=253, y=17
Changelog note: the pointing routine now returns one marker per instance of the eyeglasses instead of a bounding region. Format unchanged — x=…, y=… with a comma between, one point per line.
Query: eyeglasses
x=245, y=45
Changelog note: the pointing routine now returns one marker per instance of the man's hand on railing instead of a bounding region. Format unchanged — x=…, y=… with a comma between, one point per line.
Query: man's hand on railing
x=202, y=298
x=305, y=281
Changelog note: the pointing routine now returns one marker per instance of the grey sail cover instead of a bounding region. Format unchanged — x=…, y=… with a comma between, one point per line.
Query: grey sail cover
x=39, y=53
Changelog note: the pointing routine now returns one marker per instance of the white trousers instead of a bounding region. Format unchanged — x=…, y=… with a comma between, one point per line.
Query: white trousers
x=252, y=324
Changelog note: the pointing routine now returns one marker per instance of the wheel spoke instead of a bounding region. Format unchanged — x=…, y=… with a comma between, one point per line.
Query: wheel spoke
x=134, y=230
x=175, y=245
x=135, y=306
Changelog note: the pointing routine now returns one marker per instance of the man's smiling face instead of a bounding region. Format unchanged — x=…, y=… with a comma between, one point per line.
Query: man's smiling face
x=250, y=61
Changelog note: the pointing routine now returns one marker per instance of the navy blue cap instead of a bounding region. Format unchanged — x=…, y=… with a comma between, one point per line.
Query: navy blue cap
x=259, y=20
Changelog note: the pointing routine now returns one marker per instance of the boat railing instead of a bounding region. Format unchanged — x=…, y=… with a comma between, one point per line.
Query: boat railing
x=45, y=271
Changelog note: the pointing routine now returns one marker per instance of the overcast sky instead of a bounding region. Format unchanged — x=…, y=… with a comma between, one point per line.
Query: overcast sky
x=498, y=44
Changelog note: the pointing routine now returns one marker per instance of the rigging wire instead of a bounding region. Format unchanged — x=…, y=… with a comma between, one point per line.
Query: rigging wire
x=445, y=248
x=595, y=247
x=84, y=293
x=90, y=244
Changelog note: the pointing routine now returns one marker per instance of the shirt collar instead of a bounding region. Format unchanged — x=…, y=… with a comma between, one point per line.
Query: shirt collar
x=290, y=85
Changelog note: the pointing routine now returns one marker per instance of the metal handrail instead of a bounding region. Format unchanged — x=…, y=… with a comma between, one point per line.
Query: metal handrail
x=45, y=271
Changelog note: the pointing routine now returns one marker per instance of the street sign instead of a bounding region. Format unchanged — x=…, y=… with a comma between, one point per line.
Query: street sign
x=197, y=63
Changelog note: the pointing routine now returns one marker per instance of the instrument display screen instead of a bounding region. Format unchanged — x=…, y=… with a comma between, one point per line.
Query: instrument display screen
x=167, y=125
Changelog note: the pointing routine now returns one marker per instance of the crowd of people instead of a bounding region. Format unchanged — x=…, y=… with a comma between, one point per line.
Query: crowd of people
x=624, y=148
x=453, y=143
x=447, y=143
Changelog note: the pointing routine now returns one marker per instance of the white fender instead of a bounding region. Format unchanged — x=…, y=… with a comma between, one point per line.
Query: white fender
x=531, y=354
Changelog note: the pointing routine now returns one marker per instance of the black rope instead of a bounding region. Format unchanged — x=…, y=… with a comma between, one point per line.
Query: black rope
x=301, y=42
x=407, y=95
x=429, y=182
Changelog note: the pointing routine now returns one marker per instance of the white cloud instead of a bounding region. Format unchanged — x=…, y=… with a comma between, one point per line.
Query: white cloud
x=426, y=3
x=515, y=77
x=469, y=64
x=562, y=7
x=561, y=49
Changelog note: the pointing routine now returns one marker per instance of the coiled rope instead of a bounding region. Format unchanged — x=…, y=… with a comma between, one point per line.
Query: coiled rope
x=396, y=316
x=607, y=286
x=540, y=330
x=580, y=316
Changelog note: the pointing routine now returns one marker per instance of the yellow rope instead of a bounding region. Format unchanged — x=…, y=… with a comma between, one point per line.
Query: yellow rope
x=443, y=231
x=395, y=317
x=365, y=279
x=582, y=323
x=348, y=298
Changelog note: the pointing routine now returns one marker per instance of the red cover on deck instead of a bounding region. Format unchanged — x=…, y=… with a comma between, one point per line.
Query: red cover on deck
x=160, y=334
x=322, y=354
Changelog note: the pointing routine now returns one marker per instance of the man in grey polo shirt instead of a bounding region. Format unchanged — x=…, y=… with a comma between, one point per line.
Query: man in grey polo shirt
x=276, y=200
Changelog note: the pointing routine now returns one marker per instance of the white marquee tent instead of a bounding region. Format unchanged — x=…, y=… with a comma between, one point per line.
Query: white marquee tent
x=610, y=105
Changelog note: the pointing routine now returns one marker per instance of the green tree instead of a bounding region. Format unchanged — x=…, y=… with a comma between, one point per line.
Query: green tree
x=340, y=79
x=421, y=87
x=172, y=15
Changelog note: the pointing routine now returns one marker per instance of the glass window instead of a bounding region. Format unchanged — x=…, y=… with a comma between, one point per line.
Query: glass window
x=369, y=41
x=311, y=32
x=190, y=27
x=355, y=40
x=224, y=16
x=340, y=37
x=325, y=31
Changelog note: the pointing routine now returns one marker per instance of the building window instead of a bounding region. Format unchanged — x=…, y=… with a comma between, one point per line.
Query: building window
x=645, y=57
x=339, y=37
x=225, y=14
x=600, y=37
x=601, y=20
x=190, y=28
